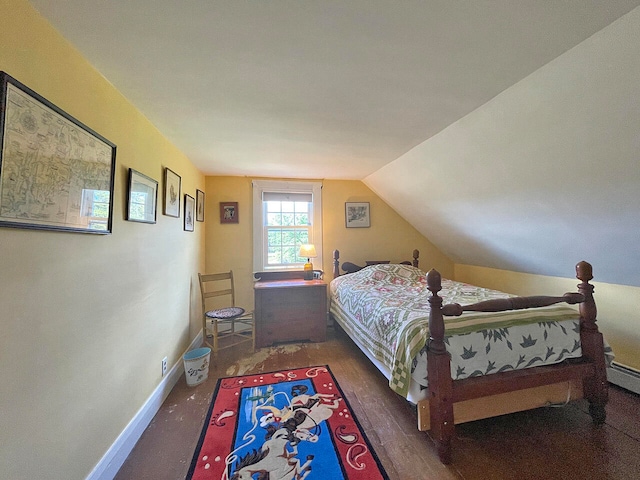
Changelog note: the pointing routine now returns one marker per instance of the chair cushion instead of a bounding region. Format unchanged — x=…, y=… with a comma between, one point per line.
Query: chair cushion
x=225, y=313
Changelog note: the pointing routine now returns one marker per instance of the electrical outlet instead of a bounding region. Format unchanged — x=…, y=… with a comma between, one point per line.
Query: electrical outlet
x=164, y=366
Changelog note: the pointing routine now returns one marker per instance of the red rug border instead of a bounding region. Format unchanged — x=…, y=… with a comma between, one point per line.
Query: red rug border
x=203, y=431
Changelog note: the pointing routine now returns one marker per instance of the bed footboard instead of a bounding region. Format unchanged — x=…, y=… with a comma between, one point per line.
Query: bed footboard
x=589, y=371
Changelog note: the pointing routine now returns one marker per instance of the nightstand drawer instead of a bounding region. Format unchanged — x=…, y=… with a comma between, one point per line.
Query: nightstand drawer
x=309, y=300
x=288, y=315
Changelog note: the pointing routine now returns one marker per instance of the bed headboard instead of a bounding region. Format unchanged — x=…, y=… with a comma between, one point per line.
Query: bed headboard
x=348, y=267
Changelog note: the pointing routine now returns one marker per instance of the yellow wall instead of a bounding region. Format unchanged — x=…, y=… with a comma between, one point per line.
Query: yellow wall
x=618, y=313
x=390, y=237
x=229, y=246
x=85, y=320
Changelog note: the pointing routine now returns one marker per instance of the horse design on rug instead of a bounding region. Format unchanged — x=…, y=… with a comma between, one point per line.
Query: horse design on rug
x=274, y=461
x=299, y=420
x=309, y=410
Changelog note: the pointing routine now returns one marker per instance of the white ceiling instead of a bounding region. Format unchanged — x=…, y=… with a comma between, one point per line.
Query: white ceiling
x=317, y=89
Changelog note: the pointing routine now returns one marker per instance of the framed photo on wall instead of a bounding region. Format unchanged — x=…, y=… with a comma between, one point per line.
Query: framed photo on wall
x=229, y=212
x=357, y=215
x=189, y=212
x=199, y=205
x=172, y=183
x=142, y=198
x=55, y=172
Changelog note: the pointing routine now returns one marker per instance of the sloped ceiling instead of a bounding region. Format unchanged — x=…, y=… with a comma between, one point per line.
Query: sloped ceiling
x=544, y=175
x=418, y=98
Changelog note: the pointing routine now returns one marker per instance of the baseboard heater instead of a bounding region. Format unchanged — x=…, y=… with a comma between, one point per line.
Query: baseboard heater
x=625, y=377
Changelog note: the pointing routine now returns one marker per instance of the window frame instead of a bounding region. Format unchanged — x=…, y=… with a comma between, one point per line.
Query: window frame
x=259, y=227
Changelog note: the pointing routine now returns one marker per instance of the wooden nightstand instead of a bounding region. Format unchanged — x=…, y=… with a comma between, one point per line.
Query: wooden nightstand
x=290, y=310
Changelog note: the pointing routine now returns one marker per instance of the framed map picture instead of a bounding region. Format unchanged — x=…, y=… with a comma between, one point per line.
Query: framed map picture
x=171, y=193
x=55, y=172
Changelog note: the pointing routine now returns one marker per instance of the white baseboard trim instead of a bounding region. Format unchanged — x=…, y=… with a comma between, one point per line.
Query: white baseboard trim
x=110, y=463
x=625, y=377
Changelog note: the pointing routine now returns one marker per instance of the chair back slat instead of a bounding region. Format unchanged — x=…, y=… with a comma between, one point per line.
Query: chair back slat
x=218, y=293
x=214, y=277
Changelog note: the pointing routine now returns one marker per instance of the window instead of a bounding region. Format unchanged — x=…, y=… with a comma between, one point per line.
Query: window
x=287, y=225
x=95, y=208
x=286, y=215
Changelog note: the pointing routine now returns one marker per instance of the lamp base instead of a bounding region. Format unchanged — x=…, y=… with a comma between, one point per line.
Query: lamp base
x=308, y=271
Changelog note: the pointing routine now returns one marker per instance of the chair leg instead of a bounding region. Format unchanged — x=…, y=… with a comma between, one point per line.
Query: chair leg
x=205, y=341
x=215, y=336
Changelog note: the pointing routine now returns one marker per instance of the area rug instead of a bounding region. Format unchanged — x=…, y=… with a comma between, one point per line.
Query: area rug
x=286, y=425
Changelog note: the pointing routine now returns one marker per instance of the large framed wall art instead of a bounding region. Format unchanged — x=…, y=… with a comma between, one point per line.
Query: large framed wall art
x=55, y=172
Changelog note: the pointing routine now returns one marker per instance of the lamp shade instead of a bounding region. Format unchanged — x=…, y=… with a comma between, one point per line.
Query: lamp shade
x=307, y=251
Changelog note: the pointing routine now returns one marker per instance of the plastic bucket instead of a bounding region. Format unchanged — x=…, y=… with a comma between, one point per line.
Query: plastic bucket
x=196, y=365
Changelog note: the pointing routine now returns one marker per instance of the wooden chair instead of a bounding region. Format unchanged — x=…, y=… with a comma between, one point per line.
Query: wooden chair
x=226, y=317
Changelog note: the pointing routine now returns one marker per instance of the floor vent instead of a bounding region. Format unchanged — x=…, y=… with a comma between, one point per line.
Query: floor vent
x=624, y=377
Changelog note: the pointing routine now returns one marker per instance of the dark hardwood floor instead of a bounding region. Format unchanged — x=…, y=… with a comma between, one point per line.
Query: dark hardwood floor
x=553, y=443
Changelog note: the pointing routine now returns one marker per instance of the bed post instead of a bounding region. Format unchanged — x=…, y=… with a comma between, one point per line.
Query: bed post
x=439, y=374
x=416, y=254
x=595, y=387
x=336, y=263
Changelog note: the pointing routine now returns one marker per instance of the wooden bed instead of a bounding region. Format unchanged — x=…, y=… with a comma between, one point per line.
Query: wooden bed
x=449, y=402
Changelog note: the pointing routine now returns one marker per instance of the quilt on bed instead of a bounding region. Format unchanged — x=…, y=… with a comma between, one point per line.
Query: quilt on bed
x=386, y=308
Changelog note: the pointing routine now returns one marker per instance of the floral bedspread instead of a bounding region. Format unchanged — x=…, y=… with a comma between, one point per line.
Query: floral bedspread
x=385, y=308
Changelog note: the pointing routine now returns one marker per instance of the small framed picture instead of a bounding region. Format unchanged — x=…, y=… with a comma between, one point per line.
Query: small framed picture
x=356, y=215
x=171, y=193
x=142, y=198
x=228, y=212
x=199, y=205
x=189, y=212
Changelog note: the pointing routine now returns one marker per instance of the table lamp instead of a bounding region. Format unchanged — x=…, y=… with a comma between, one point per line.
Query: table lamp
x=308, y=251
